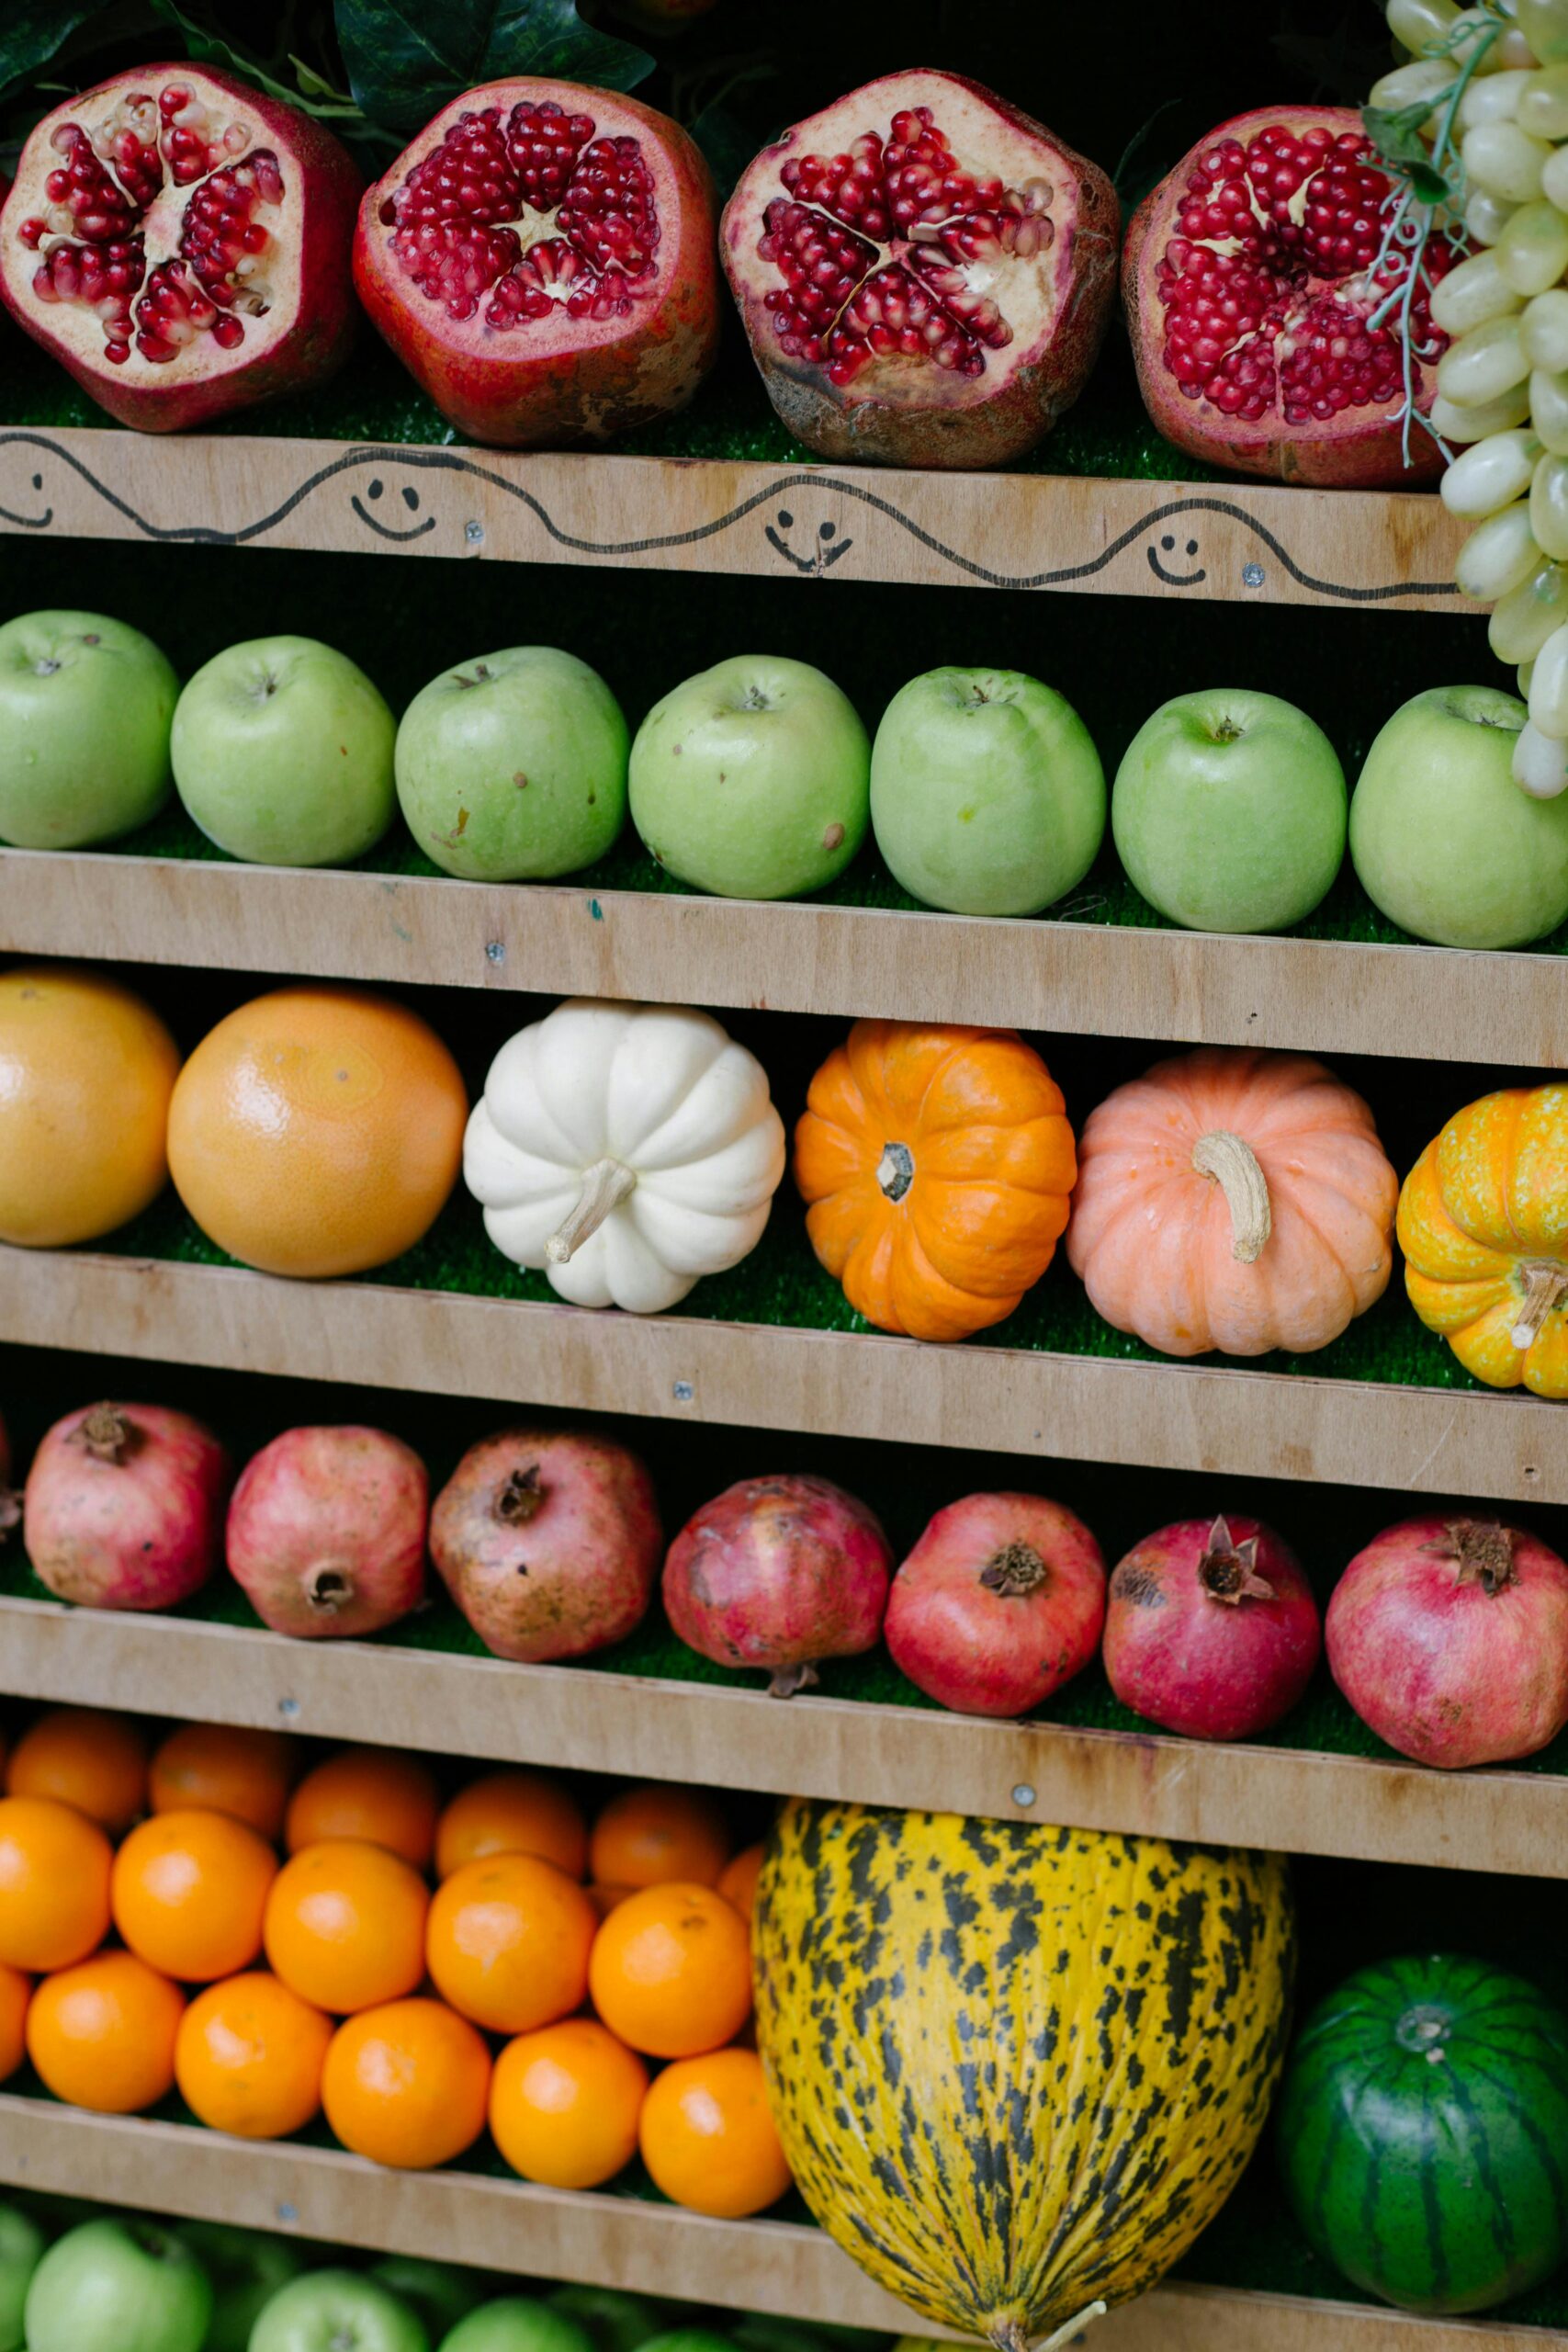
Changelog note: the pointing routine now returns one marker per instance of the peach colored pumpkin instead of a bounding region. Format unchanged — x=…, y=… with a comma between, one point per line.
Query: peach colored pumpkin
x=1233, y=1200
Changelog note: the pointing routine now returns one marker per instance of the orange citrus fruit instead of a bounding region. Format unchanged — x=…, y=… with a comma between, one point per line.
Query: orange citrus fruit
x=249, y=2055
x=54, y=1884
x=102, y=2034
x=564, y=2104
x=345, y=1926
x=708, y=2137
x=512, y=1813
x=672, y=1971
x=16, y=1992
x=508, y=1942
x=406, y=2084
x=651, y=1833
x=189, y=1894
x=370, y=1792
x=86, y=1072
x=81, y=1757
x=737, y=1883
x=225, y=1768
x=317, y=1131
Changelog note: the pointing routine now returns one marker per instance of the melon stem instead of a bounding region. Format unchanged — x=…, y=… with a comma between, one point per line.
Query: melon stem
x=1012, y=2336
x=1544, y=1286
x=605, y=1186
x=1230, y=1161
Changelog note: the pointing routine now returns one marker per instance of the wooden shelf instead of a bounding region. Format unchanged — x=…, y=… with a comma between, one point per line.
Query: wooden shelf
x=573, y=1718
x=1234, y=541
x=1002, y=1400
x=1318, y=996
x=508, y=2225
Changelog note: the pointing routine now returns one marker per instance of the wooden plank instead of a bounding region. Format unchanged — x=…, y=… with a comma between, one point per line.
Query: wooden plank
x=1003, y=1400
x=1237, y=541
x=1320, y=995
x=1295, y=1801
x=509, y=2225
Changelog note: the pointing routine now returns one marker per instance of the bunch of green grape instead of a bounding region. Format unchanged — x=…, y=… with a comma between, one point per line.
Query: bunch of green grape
x=1496, y=78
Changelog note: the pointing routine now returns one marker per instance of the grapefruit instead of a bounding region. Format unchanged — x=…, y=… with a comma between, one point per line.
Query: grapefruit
x=86, y=1070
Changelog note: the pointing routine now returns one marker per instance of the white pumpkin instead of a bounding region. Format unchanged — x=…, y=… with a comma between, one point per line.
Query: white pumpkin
x=627, y=1150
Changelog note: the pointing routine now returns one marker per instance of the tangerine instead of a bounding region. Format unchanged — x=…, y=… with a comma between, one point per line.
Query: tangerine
x=649, y=1834
x=512, y=1813
x=249, y=2056
x=189, y=1891
x=737, y=1883
x=672, y=1971
x=102, y=2034
x=317, y=1131
x=86, y=1073
x=708, y=2137
x=508, y=1942
x=54, y=1884
x=225, y=1768
x=81, y=1757
x=16, y=1992
x=406, y=2084
x=371, y=1794
x=564, y=2104
x=345, y=1926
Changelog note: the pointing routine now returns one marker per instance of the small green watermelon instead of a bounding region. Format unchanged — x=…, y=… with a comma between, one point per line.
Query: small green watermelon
x=1423, y=2130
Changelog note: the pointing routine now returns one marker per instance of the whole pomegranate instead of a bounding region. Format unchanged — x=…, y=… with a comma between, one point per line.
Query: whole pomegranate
x=123, y=1508
x=1251, y=289
x=181, y=242
x=1001, y=1601
x=1450, y=1638
x=925, y=272
x=326, y=1531
x=779, y=1573
x=541, y=259
x=1211, y=1628
x=548, y=1542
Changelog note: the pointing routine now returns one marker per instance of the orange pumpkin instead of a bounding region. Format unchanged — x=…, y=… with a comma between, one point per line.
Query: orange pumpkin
x=1484, y=1226
x=937, y=1166
x=1233, y=1200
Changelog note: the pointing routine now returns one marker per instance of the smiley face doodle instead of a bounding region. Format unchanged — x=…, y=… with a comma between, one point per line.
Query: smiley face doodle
x=374, y=489
x=823, y=557
x=1176, y=579
x=25, y=504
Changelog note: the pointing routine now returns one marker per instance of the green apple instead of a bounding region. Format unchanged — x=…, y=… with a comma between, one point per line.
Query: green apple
x=615, y=2321
x=246, y=2268
x=337, y=2311
x=986, y=793
x=1228, y=811
x=1442, y=838
x=517, y=2324
x=283, y=754
x=119, y=2286
x=513, y=767
x=751, y=779
x=440, y=2294
x=86, y=706
x=21, y=2248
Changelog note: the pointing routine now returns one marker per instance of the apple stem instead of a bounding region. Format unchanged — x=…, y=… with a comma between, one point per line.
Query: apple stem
x=605, y=1186
x=1231, y=1163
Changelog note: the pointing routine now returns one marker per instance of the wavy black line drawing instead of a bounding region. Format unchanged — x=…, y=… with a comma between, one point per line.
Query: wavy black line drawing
x=386, y=457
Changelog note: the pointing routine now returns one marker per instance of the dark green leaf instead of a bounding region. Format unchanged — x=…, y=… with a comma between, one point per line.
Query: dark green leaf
x=1396, y=133
x=407, y=59
x=312, y=96
x=32, y=31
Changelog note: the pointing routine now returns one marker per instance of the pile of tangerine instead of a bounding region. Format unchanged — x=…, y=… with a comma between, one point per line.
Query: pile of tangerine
x=527, y=1991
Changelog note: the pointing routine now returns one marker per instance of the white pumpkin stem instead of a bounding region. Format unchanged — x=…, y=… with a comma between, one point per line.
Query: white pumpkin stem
x=1544, y=1286
x=1232, y=1163
x=605, y=1186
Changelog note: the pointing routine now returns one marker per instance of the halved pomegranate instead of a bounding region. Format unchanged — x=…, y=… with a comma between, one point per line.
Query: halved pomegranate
x=1251, y=285
x=181, y=244
x=541, y=259
x=925, y=272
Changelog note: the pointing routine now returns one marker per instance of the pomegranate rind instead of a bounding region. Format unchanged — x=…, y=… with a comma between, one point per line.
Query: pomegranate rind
x=310, y=330
x=905, y=412
x=1361, y=450
x=596, y=377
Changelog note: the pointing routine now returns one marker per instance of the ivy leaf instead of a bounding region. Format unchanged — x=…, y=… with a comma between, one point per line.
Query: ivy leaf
x=33, y=32
x=313, y=95
x=1396, y=133
x=406, y=58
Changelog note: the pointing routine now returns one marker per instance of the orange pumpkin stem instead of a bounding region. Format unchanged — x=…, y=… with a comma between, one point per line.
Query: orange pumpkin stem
x=605, y=1186
x=1231, y=1163
x=106, y=1434
x=895, y=1170
x=1544, y=1286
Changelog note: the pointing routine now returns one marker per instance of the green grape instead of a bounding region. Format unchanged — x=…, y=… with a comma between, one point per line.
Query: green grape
x=1472, y=293
x=1544, y=329
x=1549, y=505
x=1483, y=365
x=1541, y=763
x=1532, y=252
x=1523, y=619
x=1487, y=216
x=1498, y=556
x=1544, y=24
x=1543, y=103
x=1546, y=692
x=1548, y=408
x=1494, y=98
x=1421, y=24
x=1501, y=160
x=1462, y=424
x=1491, y=475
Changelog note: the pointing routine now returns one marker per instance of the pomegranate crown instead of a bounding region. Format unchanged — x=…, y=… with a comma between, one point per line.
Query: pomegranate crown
x=1228, y=1571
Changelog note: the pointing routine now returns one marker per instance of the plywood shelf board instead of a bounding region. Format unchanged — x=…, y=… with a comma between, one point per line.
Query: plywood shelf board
x=1163, y=1416
x=509, y=2225
x=1318, y=996
x=573, y=1718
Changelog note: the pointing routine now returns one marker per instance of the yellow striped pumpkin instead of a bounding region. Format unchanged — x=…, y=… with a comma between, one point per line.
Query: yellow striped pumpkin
x=1016, y=2069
